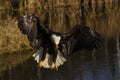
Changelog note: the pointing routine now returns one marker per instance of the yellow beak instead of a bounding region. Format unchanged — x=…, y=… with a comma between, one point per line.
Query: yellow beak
x=56, y=46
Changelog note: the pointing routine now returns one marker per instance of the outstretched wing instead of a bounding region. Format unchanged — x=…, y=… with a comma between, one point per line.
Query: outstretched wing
x=30, y=25
x=81, y=37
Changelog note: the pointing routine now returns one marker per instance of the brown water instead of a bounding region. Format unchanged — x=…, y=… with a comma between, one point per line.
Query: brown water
x=101, y=64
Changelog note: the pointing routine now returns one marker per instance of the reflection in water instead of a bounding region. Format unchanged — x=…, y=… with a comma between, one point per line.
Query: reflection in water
x=99, y=64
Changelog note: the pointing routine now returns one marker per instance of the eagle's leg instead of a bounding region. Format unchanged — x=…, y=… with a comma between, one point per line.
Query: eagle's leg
x=42, y=58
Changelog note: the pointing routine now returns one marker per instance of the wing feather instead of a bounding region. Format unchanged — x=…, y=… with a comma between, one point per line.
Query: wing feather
x=81, y=37
x=31, y=26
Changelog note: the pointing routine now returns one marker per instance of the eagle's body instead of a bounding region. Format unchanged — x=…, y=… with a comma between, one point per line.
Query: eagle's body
x=54, y=46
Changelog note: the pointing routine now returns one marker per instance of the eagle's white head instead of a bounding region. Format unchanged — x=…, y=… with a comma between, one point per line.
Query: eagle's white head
x=55, y=39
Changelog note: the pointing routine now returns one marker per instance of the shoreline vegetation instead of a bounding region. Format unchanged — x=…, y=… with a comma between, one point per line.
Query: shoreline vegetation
x=11, y=39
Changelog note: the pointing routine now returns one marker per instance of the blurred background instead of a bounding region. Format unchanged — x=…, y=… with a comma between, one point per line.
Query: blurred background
x=103, y=16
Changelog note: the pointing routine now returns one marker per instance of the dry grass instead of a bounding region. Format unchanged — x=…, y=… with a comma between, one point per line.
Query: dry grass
x=11, y=38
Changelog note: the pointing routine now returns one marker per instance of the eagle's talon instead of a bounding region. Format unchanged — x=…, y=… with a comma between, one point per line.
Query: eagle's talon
x=55, y=67
x=40, y=63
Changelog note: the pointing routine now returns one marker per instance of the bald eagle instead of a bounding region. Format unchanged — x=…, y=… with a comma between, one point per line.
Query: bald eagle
x=53, y=47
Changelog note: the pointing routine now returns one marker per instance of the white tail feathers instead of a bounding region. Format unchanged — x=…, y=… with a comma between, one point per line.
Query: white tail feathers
x=60, y=59
x=48, y=61
x=38, y=55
